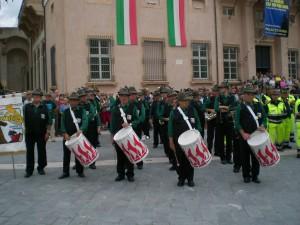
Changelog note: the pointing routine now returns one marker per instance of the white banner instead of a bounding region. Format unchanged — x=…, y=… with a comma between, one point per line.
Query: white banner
x=12, y=137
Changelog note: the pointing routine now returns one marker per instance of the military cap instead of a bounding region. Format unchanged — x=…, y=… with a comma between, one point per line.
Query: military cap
x=132, y=91
x=73, y=96
x=164, y=90
x=37, y=92
x=123, y=91
x=81, y=92
x=248, y=89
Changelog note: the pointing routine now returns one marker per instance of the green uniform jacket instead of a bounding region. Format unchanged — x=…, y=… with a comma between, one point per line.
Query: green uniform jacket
x=84, y=121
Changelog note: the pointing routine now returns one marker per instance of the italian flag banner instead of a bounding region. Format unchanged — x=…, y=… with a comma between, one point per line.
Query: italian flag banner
x=126, y=22
x=176, y=23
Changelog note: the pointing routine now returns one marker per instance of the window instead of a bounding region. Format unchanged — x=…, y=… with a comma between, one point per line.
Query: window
x=100, y=59
x=154, y=62
x=293, y=63
x=198, y=4
x=228, y=11
x=230, y=63
x=200, y=61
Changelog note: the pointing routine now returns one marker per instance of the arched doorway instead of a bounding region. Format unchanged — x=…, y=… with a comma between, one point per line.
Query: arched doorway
x=17, y=61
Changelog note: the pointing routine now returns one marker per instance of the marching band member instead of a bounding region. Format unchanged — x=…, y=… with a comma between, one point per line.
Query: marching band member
x=37, y=130
x=249, y=117
x=117, y=124
x=176, y=126
x=133, y=102
x=163, y=112
x=154, y=118
x=68, y=128
x=223, y=104
x=93, y=120
x=200, y=108
x=144, y=98
x=212, y=122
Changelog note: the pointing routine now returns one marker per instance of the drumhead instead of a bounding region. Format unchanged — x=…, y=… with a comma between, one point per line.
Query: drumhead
x=73, y=140
x=123, y=133
x=188, y=137
x=258, y=138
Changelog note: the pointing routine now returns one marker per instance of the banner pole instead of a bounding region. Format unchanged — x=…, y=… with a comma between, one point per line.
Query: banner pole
x=13, y=162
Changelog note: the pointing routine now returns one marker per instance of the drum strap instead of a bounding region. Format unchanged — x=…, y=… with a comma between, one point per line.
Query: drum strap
x=253, y=115
x=123, y=115
x=74, y=119
x=186, y=119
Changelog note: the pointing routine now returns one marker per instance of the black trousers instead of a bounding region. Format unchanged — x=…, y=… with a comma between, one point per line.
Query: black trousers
x=146, y=127
x=163, y=133
x=224, y=130
x=249, y=161
x=184, y=169
x=237, y=161
x=155, y=132
x=211, y=130
x=67, y=159
x=202, y=121
x=123, y=163
x=39, y=140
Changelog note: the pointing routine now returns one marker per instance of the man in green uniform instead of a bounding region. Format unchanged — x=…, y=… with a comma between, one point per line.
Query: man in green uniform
x=176, y=126
x=68, y=129
x=117, y=124
x=223, y=105
x=154, y=118
x=163, y=113
x=134, y=102
x=37, y=131
x=249, y=117
x=93, y=119
x=211, y=120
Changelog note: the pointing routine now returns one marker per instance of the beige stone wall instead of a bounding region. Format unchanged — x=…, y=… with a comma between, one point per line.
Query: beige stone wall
x=70, y=23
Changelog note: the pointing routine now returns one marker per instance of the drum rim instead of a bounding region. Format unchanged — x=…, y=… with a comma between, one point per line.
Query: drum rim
x=128, y=129
x=73, y=139
x=258, y=133
x=194, y=131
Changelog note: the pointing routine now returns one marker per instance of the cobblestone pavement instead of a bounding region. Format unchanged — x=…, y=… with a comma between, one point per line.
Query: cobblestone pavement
x=219, y=197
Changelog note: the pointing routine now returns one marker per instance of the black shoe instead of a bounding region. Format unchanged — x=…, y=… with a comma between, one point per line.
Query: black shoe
x=140, y=166
x=223, y=162
x=229, y=162
x=154, y=146
x=92, y=166
x=130, y=179
x=256, y=180
x=27, y=175
x=98, y=145
x=247, y=180
x=119, y=178
x=63, y=176
x=172, y=168
x=180, y=183
x=236, y=170
x=74, y=167
x=288, y=147
x=41, y=172
x=191, y=183
x=298, y=154
x=81, y=175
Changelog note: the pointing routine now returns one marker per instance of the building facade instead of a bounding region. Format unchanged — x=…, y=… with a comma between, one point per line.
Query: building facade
x=225, y=41
x=31, y=22
x=14, y=59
